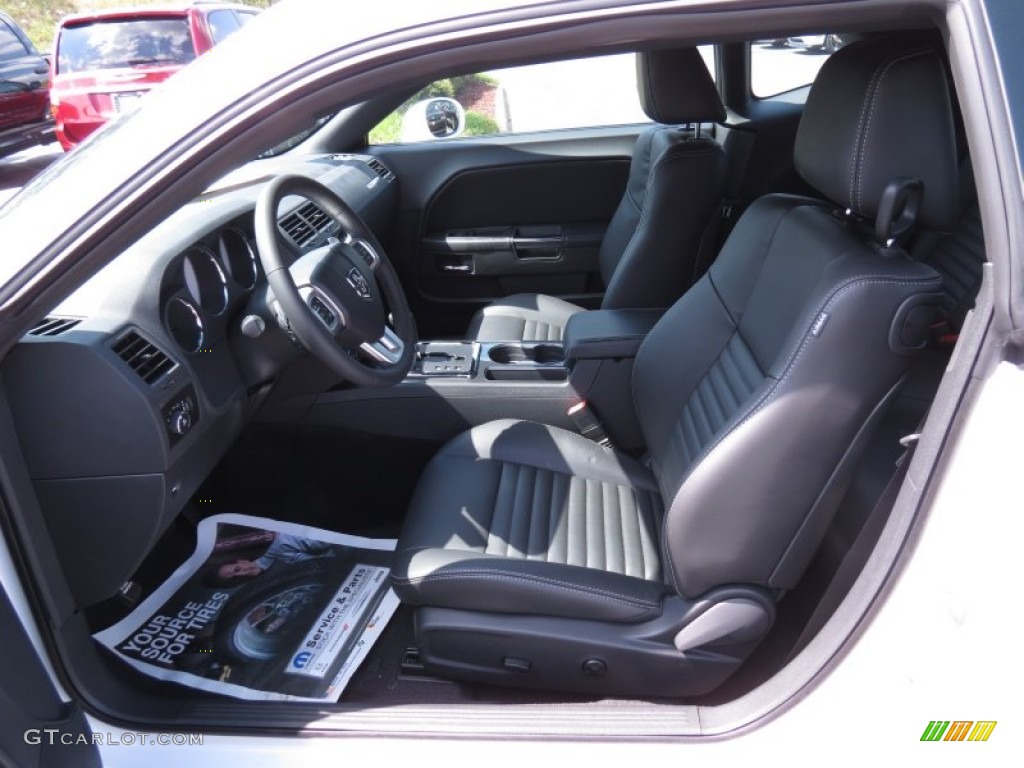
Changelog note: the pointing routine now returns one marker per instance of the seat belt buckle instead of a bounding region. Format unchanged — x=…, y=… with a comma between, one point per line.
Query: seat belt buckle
x=587, y=423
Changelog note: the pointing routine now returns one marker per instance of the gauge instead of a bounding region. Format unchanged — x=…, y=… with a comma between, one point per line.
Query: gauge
x=185, y=324
x=205, y=280
x=238, y=256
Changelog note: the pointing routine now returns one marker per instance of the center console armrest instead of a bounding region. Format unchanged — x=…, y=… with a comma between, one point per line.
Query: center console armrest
x=608, y=333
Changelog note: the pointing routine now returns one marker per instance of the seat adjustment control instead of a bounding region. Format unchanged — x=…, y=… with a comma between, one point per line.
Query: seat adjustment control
x=594, y=667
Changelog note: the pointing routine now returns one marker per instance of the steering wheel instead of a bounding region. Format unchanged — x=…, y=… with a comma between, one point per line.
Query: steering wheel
x=332, y=299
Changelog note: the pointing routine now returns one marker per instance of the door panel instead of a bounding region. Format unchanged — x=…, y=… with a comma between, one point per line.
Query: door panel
x=36, y=726
x=484, y=218
x=533, y=227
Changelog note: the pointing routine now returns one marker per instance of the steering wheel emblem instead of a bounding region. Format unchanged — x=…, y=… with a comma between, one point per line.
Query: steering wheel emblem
x=358, y=282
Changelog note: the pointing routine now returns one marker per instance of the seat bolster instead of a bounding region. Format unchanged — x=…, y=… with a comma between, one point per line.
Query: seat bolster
x=522, y=317
x=470, y=580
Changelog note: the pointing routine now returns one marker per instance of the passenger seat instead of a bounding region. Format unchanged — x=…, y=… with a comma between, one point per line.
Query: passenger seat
x=676, y=181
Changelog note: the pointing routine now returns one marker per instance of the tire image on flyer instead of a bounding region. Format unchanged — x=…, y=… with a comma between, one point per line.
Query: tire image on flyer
x=262, y=610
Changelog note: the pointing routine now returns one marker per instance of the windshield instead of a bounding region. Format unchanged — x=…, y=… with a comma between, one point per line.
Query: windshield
x=298, y=138
x=117, y=43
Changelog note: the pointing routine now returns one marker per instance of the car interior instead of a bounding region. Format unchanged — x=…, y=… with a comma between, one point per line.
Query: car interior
x=633, y=399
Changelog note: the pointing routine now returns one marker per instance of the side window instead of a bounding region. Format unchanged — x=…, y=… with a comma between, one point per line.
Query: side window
x=786, y=63
x=578, y=93
x=11, y=46
x=222, y=24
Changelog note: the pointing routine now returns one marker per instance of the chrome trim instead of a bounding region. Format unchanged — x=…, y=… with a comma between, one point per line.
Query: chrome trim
x=194, y=283
x=387, y=349
x=358, y=283
x=309, y=292
x=370, y=250
x=199, y=327
x=248, y=282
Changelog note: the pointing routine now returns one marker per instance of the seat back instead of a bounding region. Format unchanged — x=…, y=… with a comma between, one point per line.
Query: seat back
x=958, y=256
x=676, y=181
x=756, y=389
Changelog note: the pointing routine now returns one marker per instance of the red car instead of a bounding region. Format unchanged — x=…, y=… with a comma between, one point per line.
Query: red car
x=105, y=61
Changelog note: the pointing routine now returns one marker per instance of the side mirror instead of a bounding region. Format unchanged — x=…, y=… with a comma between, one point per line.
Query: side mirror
x=437, y=118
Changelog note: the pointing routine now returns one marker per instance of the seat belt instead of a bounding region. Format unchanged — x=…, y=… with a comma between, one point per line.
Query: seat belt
x=738, y=144
x=855, y=558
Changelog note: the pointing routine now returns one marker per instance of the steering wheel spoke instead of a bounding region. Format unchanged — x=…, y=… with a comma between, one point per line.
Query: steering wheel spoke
x=365, y=250
x=324, y=307
x=388, y=349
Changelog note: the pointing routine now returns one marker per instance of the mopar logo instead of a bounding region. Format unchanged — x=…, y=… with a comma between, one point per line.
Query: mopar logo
x=301, y=659
x=358, y=283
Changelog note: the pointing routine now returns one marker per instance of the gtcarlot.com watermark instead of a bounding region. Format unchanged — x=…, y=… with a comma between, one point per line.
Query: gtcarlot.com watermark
x=55, y=736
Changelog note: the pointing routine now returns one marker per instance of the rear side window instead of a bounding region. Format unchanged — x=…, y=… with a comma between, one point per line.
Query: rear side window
x=222, y=24
x=124, y=43
x=225, y=23
x=10, y=46
x=573, y=93
x=784, y=64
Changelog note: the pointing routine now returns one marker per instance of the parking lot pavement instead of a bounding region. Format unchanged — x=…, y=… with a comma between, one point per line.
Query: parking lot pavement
x=18, y=169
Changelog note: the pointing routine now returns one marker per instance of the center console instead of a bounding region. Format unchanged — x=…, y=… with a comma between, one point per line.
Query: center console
x=454, y=385
x=492, y=361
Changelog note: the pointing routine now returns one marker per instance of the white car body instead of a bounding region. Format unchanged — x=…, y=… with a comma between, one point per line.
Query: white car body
x=927, y=632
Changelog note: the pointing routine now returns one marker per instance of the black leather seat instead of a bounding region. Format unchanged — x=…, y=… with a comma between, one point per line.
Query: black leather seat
x=539, y=558
x=958, y=256
x=676, y=180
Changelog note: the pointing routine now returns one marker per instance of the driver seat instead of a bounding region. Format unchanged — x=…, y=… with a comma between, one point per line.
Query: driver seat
x=538, y=558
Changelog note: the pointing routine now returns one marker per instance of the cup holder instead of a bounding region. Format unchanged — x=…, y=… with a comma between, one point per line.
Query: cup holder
x=536, y=354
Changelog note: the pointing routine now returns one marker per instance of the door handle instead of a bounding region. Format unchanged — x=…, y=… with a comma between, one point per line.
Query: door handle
x=540, y=248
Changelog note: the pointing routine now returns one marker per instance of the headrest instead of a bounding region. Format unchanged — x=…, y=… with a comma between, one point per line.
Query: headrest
x=676, y=87
x=879, y=111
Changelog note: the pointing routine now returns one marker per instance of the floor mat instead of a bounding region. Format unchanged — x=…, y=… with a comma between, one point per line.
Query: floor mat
x=262, y=610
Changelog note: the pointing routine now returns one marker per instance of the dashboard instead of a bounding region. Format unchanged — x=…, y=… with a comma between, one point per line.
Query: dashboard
x=126, y=395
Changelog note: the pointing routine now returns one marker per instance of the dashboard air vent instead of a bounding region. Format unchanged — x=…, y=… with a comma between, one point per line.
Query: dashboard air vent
x=53, y=326
x=304, y=224
x=143, y=357
x=379, y=168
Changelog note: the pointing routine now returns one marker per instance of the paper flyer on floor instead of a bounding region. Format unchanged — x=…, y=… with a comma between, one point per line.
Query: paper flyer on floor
x=263, y=610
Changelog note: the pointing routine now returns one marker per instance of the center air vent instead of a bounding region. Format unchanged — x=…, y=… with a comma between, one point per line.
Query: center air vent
x=53, y=326
x=379, y=168
x=305, y=224
x=143, y=357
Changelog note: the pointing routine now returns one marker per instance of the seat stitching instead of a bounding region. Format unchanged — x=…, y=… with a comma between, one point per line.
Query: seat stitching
x=623, y=510
x=734, y=321
x=560, y=482
x=850, y=285
x=661, y=162
x=870, y=117
x=858, y=136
